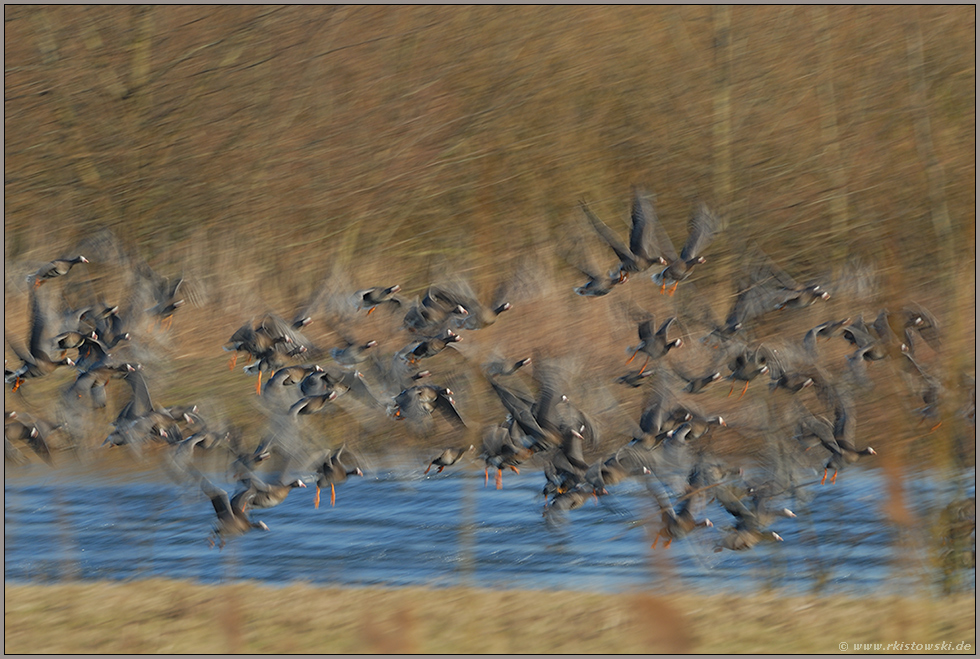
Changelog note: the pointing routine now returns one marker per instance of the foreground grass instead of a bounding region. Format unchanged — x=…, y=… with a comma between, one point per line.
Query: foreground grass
x=161, y=616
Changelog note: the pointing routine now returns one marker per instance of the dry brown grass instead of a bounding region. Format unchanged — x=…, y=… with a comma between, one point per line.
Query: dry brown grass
x=159, y=616
x=413, y=132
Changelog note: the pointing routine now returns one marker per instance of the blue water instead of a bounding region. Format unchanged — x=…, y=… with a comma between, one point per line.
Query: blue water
x=396, y=527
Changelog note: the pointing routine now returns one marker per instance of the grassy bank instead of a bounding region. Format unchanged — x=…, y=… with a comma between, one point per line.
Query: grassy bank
x=177, y=617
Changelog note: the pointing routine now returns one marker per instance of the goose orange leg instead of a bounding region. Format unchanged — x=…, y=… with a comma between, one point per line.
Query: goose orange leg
x=744, y=389
x=258, y=384
x=333, y=495
x=824, y=479
x=17, y=383
x=232, y=361
x=732, y=389
x=667, y=542
x=486, y=476
x=671, y=294
x=656, y=539
x=833, y=480
x=316, y=499
x=500, y=479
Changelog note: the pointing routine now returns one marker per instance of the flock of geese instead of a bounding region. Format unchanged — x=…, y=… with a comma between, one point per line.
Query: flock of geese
x=671, y=444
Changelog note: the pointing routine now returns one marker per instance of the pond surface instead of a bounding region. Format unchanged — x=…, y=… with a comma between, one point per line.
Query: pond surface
x=396, y=527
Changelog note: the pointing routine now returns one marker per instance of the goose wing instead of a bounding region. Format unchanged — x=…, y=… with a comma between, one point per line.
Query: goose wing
x=701, y=231
x=623, y=253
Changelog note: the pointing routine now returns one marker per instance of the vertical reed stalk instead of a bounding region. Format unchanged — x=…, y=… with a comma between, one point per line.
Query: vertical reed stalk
x=955, y=297
x=84, y=162
x=723, y=112
x=839, y=214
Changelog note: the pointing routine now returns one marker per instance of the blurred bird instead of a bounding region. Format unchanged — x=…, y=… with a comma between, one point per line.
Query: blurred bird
x=448, y=458
x=352, y=353
x=753, y=515
x=164, y=293
x=37, y=360
x=232, y=521
x=502, y=448
x=643, y=250
x=372, y=298
x=573, y=251
x=54, y=269
x=431, y=315
x=654, y=345
x=838, y=438
x=460, y=295
x=268, y=343
x=677, y=522
x=748, y=364
x=417, y=403
x=694, y=384
x=34, y=432
x=94, y=380
x=256, y=493
x=624, y=463
x=701, y=231
x=419, y=350
x=330, y=383
x=333, y=468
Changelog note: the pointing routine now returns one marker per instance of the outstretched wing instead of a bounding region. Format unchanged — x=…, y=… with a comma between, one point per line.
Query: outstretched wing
x=623, y=252
x=140, y=404
x=701, y=231
x=447, y=407
x=647, y=237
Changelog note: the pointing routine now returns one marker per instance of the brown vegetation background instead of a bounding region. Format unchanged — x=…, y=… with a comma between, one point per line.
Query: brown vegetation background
x=262, y=151
x=259, y=150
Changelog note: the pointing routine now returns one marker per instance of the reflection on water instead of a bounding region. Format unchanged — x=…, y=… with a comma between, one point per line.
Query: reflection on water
x=398, y=528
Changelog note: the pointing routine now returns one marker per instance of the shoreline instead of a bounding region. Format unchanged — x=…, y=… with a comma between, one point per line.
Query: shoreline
x=169, y=616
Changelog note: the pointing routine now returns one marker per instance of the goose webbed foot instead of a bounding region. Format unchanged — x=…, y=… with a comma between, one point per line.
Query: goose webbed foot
x=744, y=389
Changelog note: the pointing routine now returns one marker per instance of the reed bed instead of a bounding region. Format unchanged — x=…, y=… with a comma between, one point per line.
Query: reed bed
x=262, y=151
